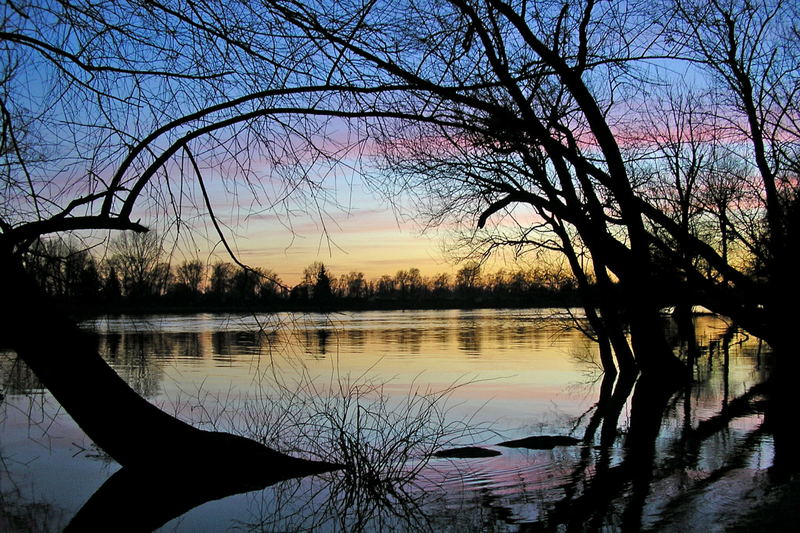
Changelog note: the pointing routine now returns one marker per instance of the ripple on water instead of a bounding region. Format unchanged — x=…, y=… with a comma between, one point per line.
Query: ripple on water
x=515, y=472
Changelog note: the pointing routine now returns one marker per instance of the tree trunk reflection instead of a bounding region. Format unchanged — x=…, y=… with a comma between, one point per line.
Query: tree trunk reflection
x=144, y=499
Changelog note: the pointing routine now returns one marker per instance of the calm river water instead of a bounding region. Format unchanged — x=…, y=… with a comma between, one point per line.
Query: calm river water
x=415, y=381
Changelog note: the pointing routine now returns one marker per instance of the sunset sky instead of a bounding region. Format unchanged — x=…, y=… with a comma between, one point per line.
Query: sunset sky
x=370, y=240
x=350, y=223
x=352, y=230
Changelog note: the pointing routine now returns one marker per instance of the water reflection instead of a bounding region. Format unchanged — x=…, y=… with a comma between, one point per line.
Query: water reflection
x=16, y=379
x=131, y=354
x=469, y=338
x=17, y=513
x=651, y=457
x=144, y=499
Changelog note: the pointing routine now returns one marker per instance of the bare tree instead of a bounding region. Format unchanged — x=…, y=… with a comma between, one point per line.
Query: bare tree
x=134, y=103
x=137, y=259
x=750, y=51
x=221, y=279
x=353, y=285
x=488, y=104
x=491, y=104
x=468, y=277
x=191, y=274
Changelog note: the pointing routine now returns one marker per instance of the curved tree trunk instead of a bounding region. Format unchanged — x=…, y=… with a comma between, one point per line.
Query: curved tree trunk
x=132, y=431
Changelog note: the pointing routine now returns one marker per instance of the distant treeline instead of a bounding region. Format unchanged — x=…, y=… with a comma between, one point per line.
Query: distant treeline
x=134, y=275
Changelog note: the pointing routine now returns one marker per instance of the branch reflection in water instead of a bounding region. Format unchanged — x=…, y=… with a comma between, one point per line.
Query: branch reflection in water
x=382, y=443
x=650, y=457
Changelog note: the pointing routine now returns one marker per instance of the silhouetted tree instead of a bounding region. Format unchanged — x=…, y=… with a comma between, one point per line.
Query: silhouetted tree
x=221, y=280
x=191, y=275
x=323, y=292
x=752, y=56
x=299, y=293
x=89, y=286
x=482, y=106
x=384, y=287
x=245, y=286
x=353, y=285
x=500, y=107
x=126, y=94
x=137, y=259
x=440, y=284
x=468, y=278
x=112, y=288
x=271, y=288
x=253, y=285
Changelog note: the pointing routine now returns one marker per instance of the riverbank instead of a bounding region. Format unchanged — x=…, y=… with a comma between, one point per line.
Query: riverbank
x=167, y=306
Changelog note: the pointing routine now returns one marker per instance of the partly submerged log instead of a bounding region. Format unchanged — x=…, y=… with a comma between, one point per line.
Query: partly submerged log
x=467, y=452
x=541, y=442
